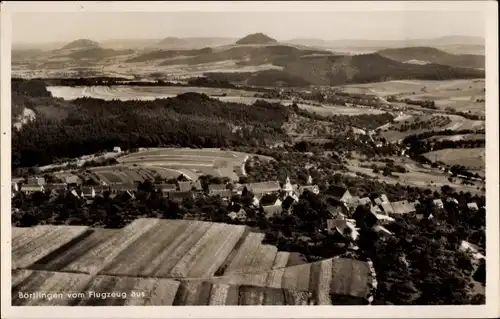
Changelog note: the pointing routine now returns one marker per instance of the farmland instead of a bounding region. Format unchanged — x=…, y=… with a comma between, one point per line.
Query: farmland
x=473, y=158
x=416, y=124
x=167, y=163
x=190, y=162
x=327, y=110
x=125, y=93
x=417, y=175
x=175, y=262
x=462, y=95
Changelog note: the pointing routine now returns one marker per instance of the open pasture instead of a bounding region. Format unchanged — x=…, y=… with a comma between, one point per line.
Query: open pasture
x=417, y=176
x=455, y=123
x=473, y=158
x=458, y=94
x=458, y=137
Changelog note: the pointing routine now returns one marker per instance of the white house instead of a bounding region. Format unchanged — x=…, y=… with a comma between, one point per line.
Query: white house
x=117, y=149
x=30, y=188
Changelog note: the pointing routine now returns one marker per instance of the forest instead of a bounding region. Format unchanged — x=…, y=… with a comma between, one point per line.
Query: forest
x=189, y=120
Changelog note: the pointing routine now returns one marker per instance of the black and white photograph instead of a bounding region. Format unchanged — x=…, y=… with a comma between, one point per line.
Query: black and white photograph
x=250, y=158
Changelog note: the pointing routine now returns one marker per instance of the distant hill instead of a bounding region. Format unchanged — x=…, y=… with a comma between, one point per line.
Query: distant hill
x=81, y=44
x=278, y=55
x=167, y=54
x=343, y=69
x=451, y=44
x=434, y=56
x=172, y=43
x=256, y=38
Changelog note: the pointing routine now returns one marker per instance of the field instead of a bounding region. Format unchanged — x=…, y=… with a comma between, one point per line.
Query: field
x=473, y=158
x=458, y=94
x=339, y=110
x=176, y=262
x=125, y=93
x=190, y=162
x=457, y=137
x=456, y=123
x=168, y=163
x=417, y=175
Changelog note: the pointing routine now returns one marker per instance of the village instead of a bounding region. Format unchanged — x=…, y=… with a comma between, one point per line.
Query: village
x=270, y=198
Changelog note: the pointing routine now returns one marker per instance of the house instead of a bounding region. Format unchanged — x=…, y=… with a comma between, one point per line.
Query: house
x=239, y=215
x=311, y=188
x=475, y=250
x=403, y=207
x=438, y=203
x=264, y=187
x=378, y=201
x=272, y=210
x=35, y=181
x=185, y=186
x=123, y=187
x=384, y=198
x=337, y=209
x=101, y=189
x=472, y=206
x=74, y=193
x=340, y=194
x=381, y=219
x=56, y=187
x=387, y=208
x=219, y=190
x=117, y=149
x=31, y=188
x=179, y=196
x=343, y=228
x=256, y=199
x=365, y=201
x=375, y=209
x=452, y=200
x=382, y=231
x=215, y=189
x=270, y=200
x=165, y=188
x=87, y=191
x=271, y=204
x=15, y=187
x=71, y=179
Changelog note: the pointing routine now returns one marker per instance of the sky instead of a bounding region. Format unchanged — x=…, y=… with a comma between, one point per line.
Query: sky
x=47, y=27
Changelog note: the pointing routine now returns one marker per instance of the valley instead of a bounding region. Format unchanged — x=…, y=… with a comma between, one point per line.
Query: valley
x=250, y=171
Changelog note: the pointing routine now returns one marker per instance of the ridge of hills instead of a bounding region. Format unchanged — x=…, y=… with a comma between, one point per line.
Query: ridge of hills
x=434, y=55
x=340, y=69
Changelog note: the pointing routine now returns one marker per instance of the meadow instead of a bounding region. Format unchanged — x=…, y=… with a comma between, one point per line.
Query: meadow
x=458, y=94
x=473, y=158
